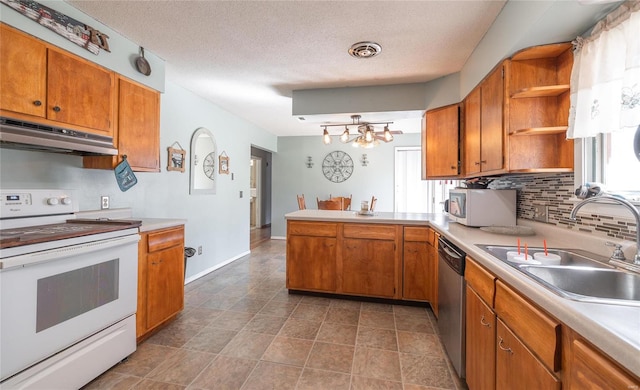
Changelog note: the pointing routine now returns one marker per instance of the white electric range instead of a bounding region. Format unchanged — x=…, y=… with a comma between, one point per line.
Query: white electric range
x=68, y=291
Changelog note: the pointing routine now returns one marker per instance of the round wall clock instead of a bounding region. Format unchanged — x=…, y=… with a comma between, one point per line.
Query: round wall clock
x=337, y=166
x=209, y=165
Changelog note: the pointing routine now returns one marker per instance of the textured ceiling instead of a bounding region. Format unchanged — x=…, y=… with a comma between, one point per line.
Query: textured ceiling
x=248, y=56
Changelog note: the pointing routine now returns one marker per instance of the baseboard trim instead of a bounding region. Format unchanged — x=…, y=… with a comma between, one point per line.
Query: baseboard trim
x=215, y=267
x=278, y=238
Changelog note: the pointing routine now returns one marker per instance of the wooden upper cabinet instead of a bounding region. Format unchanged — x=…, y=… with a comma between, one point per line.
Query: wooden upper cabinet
x=492, y=132
x=80, y=93
x=471, y=138
x=483, y=142
x=46, y=85
x=138, y=129
x=440, y=138
x=23, y=77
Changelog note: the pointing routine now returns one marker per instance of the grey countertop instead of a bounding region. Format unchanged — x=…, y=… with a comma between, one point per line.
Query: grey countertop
x=615, y=329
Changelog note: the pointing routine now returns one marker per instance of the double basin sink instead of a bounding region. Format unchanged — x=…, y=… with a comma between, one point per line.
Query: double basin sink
x=577, y=275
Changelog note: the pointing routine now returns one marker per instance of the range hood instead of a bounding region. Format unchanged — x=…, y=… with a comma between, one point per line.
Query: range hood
x=19, y=134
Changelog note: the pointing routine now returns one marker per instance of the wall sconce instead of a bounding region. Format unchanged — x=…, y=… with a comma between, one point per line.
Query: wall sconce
x=364, y=160
x=309, y=162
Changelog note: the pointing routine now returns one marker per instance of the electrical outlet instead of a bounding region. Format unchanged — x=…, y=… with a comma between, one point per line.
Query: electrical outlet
x=104, y=202
x=540, y=213
x=200, y=250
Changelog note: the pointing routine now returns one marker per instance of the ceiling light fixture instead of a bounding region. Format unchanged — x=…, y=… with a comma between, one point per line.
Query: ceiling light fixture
x=366, y=136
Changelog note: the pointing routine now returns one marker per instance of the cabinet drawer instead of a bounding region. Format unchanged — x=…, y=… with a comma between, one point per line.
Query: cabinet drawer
x=317, y=229
x=419, y=234
x=535, y=328
x=165, y=239
x=371, y=231
x=481, y=280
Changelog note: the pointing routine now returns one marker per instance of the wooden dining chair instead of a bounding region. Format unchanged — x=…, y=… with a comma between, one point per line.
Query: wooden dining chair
x=346, y=202
x=331, y=204
x=301, y=204
x=372, y=205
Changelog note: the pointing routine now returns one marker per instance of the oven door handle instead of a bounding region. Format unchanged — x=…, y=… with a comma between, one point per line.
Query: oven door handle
x=29, y=259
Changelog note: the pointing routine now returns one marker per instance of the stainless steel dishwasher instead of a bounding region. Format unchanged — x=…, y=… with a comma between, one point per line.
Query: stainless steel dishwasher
x=451, y=302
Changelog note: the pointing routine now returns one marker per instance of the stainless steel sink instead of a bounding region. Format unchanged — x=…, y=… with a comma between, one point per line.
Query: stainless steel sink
x=588, y=284
x=568, y=257
x=579, y=275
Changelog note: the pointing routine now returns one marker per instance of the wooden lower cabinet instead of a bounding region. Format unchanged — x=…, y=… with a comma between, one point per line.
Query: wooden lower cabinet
x=420, y=265
x=513, y=344
x=590, y=369
x=368, y=267
x=363, y=259
x=311, y=263
x=481, y=342
x=517, y=367
x=160, y=278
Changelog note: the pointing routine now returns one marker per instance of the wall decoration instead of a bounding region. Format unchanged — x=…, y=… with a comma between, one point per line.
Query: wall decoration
x=364, y=161
x=175, y=158
x=309, y=162
x=77, y=32
x=337, y=166
x=224, y=163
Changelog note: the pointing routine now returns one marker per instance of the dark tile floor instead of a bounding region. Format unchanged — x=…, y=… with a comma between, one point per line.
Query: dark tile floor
x=241, y=329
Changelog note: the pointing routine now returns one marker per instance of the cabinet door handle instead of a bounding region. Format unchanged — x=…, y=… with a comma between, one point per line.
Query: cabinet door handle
x=483, y=161
x=503, y=348
x=37, y=103
x=56, y=109
x=484, y=323
x=477, y=163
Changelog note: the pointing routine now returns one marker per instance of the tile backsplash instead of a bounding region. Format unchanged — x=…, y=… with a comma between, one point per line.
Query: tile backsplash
x=554, y=190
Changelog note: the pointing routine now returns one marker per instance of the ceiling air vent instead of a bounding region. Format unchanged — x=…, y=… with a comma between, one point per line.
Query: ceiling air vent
x=365, y=49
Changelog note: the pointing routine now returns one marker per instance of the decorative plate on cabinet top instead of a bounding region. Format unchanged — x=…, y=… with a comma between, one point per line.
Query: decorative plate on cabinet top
x=509, y=230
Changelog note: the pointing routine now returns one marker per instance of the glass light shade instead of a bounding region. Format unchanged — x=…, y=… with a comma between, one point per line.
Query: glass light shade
x=345, y=135
x=368, y=134
x=388, y=137
x=326, y=138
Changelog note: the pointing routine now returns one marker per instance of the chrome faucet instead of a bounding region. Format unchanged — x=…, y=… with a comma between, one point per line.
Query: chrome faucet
x=627, y=204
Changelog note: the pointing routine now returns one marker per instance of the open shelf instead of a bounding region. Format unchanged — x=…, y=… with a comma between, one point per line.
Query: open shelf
x=540, y=130
x=546, y=91
x=544, y=51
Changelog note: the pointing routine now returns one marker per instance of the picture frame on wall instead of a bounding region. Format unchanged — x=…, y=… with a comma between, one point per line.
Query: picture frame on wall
x=224, y=163
x=176, y=159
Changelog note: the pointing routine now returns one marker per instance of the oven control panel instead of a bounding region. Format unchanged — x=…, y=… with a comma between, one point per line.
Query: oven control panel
x=30, y=203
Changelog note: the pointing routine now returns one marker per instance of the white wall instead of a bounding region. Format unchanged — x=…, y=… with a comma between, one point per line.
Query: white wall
x=291, y=175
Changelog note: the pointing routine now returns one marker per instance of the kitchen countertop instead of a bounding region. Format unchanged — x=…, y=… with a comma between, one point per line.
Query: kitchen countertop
x=615, y=329
x=148, y=224
x=353, y=216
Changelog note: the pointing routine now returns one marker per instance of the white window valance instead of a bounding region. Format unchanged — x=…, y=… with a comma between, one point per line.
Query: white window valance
x=605, y=80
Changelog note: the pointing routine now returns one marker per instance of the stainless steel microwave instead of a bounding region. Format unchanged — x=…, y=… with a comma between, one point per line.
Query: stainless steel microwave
x=482, y=207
